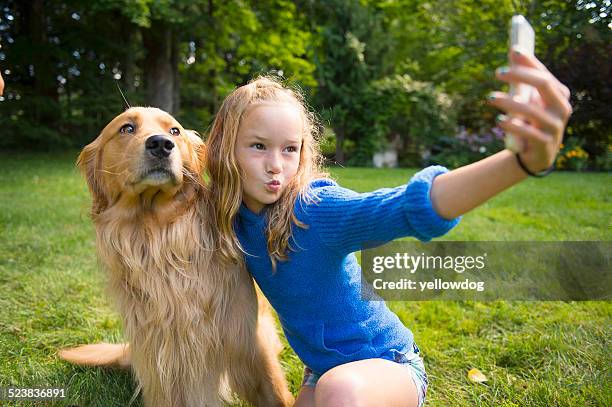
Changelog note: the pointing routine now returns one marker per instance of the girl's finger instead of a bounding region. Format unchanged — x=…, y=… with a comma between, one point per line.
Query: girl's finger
x=533, y=113
x=522, y=129
x=517, y=56
x=543, y=82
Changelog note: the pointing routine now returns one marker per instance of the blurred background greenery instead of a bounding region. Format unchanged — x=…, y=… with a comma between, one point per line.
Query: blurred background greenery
x=408, y=73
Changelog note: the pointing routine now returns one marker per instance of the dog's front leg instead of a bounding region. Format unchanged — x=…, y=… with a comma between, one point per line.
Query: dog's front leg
x=254, y=371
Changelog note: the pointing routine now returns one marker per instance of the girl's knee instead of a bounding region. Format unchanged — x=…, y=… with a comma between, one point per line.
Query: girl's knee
x=339, y=389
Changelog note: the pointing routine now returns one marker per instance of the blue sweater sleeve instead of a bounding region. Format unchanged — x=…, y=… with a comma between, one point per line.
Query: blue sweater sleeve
x=348, y=221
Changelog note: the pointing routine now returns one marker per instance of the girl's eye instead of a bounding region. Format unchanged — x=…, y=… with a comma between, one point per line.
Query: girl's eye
x=292, y=149
x=175, y=131
x=258, y=146
x=127, y=129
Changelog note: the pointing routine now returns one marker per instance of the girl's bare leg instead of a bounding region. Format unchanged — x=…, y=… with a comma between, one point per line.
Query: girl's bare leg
x=370, y=382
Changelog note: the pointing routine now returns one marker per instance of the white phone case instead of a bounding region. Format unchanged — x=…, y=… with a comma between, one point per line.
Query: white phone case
x=522, y=37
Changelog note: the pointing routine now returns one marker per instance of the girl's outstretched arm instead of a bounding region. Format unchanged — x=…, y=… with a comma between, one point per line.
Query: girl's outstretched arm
x=463, y=189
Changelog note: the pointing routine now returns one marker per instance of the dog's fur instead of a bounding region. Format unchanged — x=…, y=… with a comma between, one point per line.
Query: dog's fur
x=193, y=324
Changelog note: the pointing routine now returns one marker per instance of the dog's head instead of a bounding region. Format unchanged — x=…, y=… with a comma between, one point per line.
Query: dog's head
x=143, y=157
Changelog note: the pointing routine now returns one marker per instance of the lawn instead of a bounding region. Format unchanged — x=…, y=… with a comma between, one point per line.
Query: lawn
x=533, y=353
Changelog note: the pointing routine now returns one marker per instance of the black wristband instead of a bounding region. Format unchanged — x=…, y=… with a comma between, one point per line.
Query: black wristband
x=531, y=174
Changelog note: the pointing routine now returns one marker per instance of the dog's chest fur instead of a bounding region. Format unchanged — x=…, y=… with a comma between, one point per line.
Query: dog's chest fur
x=173, y=298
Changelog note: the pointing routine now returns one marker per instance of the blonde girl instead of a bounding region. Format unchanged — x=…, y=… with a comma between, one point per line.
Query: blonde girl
x=297, y=230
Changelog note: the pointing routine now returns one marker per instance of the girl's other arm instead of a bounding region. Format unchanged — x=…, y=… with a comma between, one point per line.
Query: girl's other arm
x=347, y=221
x=459, y=191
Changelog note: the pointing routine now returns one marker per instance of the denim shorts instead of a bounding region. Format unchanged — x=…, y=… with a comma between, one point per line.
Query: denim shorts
x=411, y=360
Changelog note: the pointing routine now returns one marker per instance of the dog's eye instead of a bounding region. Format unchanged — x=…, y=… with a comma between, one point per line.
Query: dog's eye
x=127, y=128
x=175, y=131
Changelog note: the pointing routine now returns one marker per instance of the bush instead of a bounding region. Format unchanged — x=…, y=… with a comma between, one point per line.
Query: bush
x=417, y=111
x=327, y=141
x=572, y=156
x=604, y=161
x=464, y=148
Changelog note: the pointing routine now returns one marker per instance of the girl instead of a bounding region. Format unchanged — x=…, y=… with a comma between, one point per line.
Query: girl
x=297, y=230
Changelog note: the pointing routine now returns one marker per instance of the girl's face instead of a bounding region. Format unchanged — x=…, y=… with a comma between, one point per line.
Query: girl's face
x=268, y=152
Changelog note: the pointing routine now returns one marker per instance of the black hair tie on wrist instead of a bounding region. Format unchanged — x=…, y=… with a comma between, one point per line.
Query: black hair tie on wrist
x=532, y=174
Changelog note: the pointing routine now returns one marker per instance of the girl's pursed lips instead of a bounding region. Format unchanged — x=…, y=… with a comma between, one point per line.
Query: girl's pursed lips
x=273, y=185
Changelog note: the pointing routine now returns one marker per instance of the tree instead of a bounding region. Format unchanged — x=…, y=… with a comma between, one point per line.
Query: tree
x=62, y=75
x=234, y=43
x=578, y=50
x=344, y=67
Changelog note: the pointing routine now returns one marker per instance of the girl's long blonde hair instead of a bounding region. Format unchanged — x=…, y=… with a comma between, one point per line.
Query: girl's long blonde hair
x=225, y=176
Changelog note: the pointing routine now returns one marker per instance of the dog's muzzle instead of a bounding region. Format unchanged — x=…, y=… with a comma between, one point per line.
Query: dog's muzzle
x=159, y=146
x=160, y=164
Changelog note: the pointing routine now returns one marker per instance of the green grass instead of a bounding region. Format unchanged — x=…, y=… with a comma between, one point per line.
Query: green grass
x=533, y=353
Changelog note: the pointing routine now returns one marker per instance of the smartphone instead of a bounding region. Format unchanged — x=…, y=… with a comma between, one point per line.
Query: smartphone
x=522, y=36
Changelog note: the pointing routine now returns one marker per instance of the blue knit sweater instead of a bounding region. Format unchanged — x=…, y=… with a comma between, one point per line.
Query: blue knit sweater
x=317, y=292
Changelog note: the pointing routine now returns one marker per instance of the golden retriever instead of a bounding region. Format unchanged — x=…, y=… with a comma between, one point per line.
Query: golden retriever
x=193, y=324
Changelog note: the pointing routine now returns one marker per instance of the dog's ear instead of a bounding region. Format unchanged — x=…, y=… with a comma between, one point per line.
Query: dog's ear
x=199, y=147
x=89, y=165
x=194, y=136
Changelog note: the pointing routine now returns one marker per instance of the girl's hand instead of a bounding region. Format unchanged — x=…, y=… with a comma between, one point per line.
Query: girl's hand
x=546, y=114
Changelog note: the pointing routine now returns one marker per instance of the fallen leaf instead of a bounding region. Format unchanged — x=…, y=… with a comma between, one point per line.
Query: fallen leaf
x=476, y=376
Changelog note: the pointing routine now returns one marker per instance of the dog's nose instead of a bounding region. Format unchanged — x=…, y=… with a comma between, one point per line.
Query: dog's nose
x=159, y=146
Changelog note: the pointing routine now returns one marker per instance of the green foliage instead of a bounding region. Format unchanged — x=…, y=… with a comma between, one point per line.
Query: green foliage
x=345, y=66
x=464, y=148
x=365, y=102
x=234, y=43
x=454, y=44
x=572, y=156
x=135, y=11
x=577, y=47
x=327, y=142
x=65, y=96
x=415, y=110
x=60, y=61
x=603, y=162
x=458, y=44
x=399, y=106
